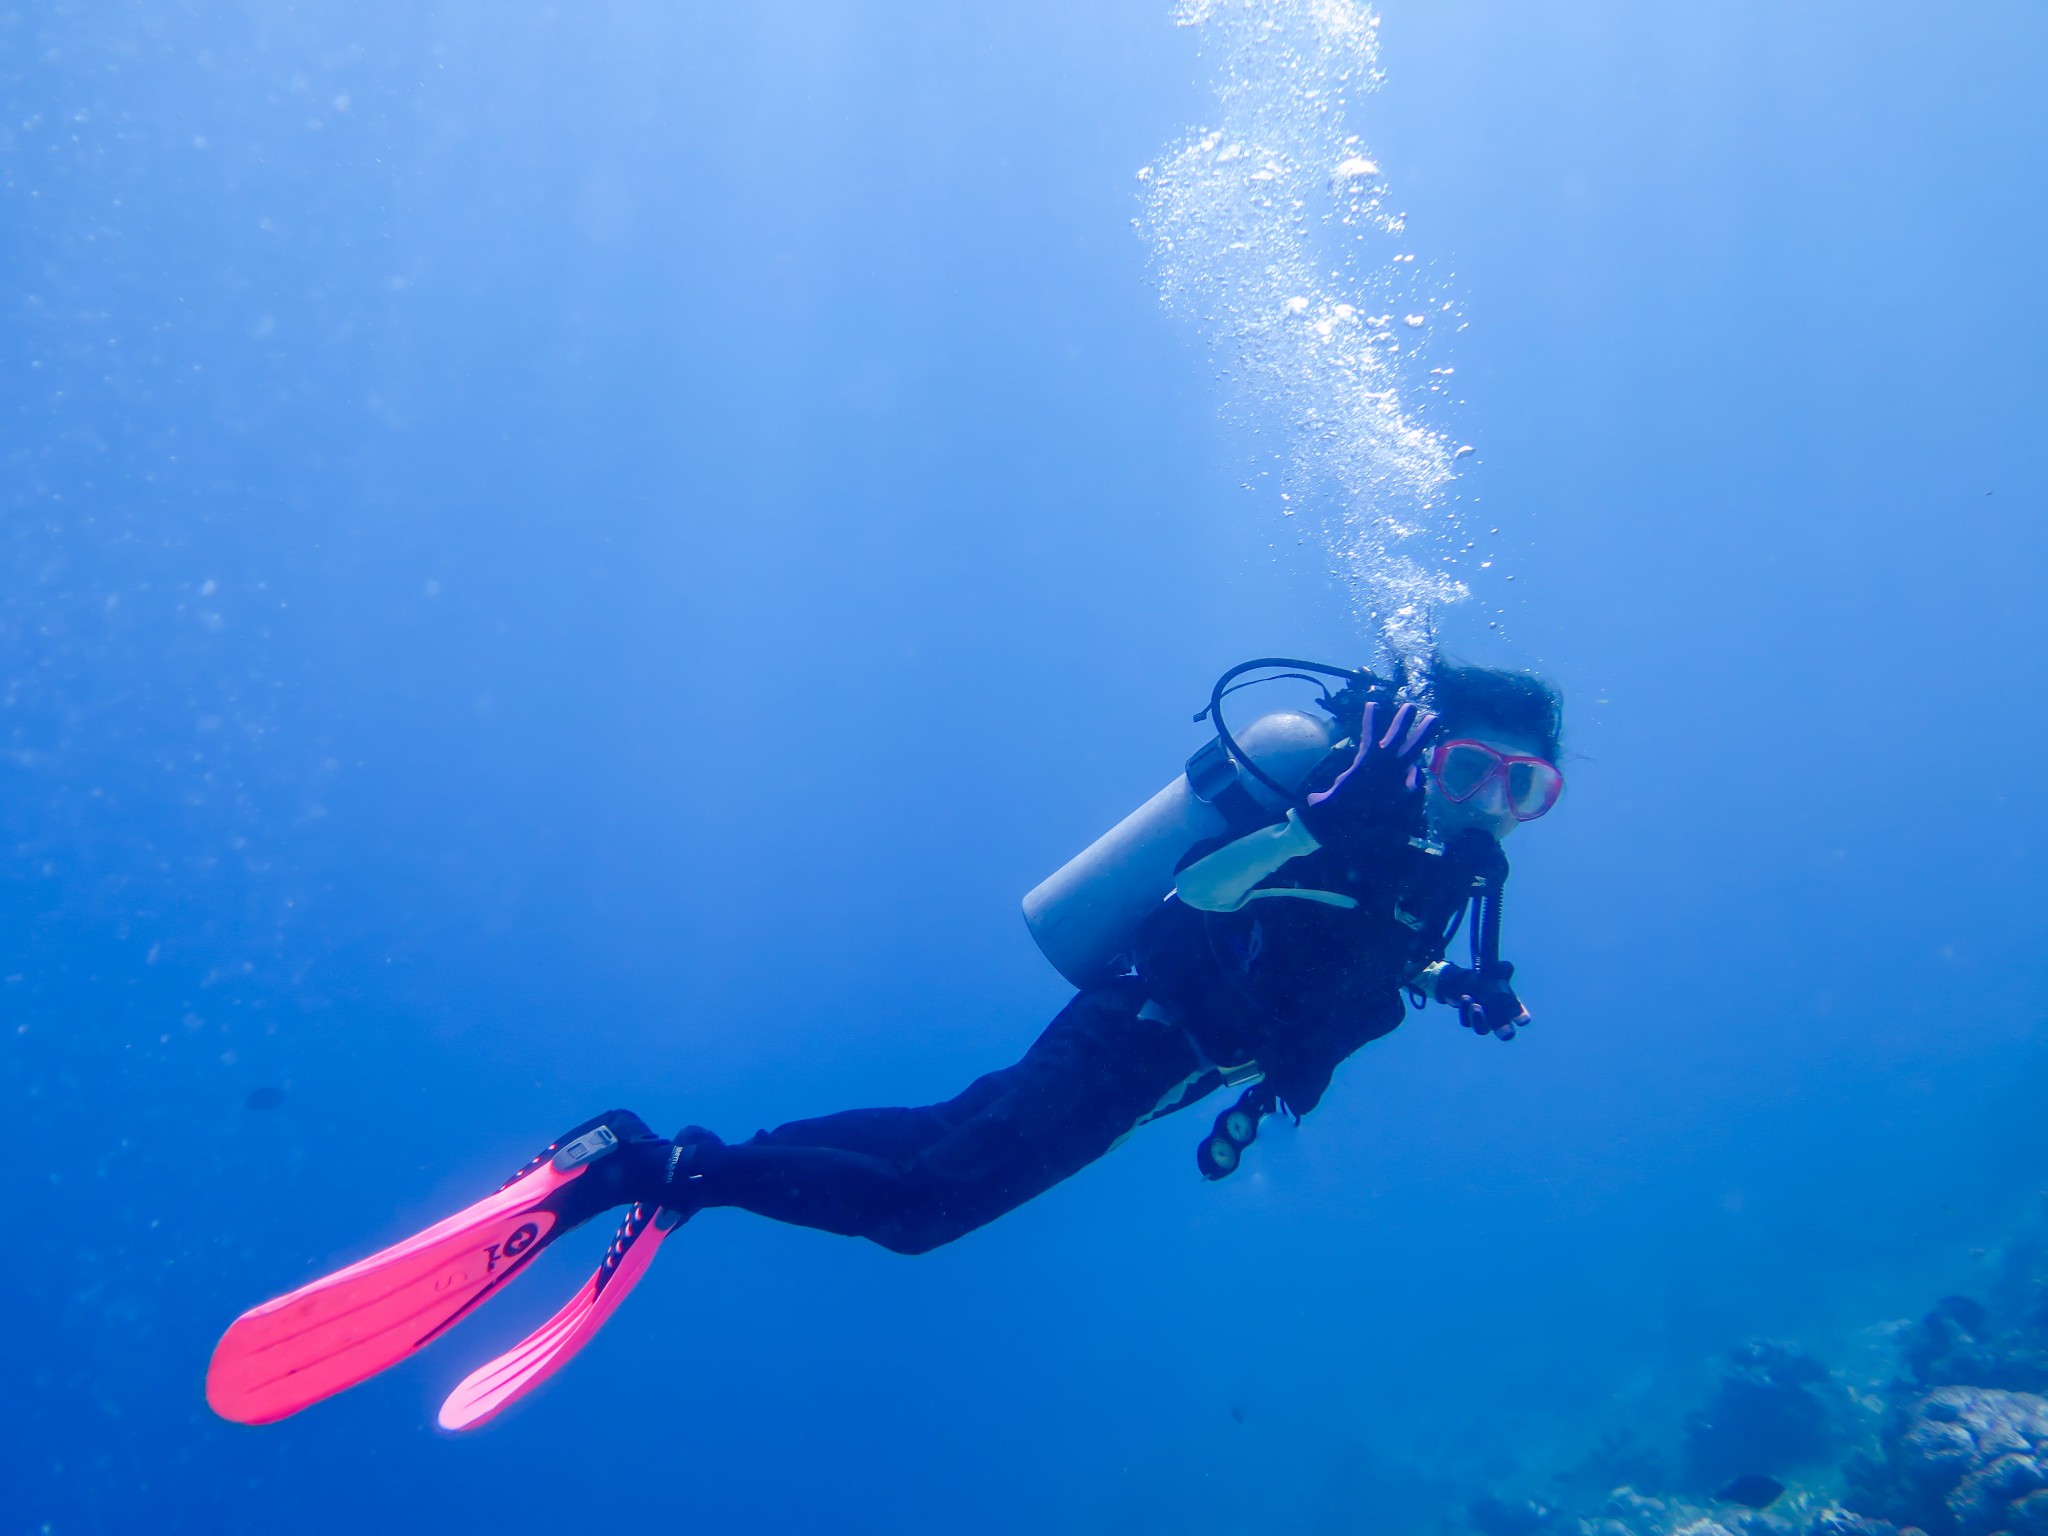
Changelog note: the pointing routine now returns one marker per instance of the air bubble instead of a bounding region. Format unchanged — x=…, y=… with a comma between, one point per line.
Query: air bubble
x=1275, y=214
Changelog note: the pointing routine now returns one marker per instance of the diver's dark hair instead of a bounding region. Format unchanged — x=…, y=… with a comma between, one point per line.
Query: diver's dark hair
x=1518, y=703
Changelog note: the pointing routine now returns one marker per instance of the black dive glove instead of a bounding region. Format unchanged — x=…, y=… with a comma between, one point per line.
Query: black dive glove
x=1377, y=801
x=1486, y=1004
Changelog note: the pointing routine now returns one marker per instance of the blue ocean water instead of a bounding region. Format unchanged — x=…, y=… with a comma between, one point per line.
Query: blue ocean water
x=565, y=557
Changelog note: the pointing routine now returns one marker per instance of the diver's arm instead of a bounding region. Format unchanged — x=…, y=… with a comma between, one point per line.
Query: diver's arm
x=1223, y=881
x=1486, y=1003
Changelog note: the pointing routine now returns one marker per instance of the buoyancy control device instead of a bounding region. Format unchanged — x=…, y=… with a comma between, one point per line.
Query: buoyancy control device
x=1085, y=915
x=1482, y=994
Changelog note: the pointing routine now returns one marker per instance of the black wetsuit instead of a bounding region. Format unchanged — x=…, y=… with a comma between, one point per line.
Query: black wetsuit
x=1293, y=985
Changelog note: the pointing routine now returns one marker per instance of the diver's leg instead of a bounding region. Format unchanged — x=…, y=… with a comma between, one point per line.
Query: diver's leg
x=914, y=1179
x=896, y=1134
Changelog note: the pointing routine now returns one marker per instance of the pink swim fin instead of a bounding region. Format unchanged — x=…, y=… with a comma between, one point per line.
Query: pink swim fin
x=490, y=1388
x=345, y=1327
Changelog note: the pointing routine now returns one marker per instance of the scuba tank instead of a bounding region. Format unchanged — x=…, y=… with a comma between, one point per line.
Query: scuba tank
x=1085, y=915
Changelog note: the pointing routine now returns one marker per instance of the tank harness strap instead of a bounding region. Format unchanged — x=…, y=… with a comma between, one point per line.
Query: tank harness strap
x=1196, y=1083
x=1414, y=922
x=1213, y=776
x=1228, y=878
x=1244, y=1072
x=1238, y=1126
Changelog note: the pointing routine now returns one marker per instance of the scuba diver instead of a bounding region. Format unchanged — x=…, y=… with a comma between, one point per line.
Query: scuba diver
x=1251, y=926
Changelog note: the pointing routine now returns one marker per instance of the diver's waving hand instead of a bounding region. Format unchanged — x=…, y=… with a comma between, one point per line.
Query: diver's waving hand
x=1380, y=794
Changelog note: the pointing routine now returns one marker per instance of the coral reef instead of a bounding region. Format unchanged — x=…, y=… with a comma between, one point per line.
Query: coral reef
x=1775, y=1411
x=1955, y=1445
x=1961, y=1461
x=1961, y=1343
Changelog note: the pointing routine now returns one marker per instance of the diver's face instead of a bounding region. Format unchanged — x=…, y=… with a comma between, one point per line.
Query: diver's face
x=1486, y=808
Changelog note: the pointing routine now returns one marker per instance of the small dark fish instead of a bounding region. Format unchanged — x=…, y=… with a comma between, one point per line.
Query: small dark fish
x=1237, y=1413
x=1755, y=1490
x=264, y=1098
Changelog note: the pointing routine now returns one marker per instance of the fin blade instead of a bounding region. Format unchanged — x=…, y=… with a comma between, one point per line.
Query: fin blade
x=289, y=1353
x=495, y=1385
